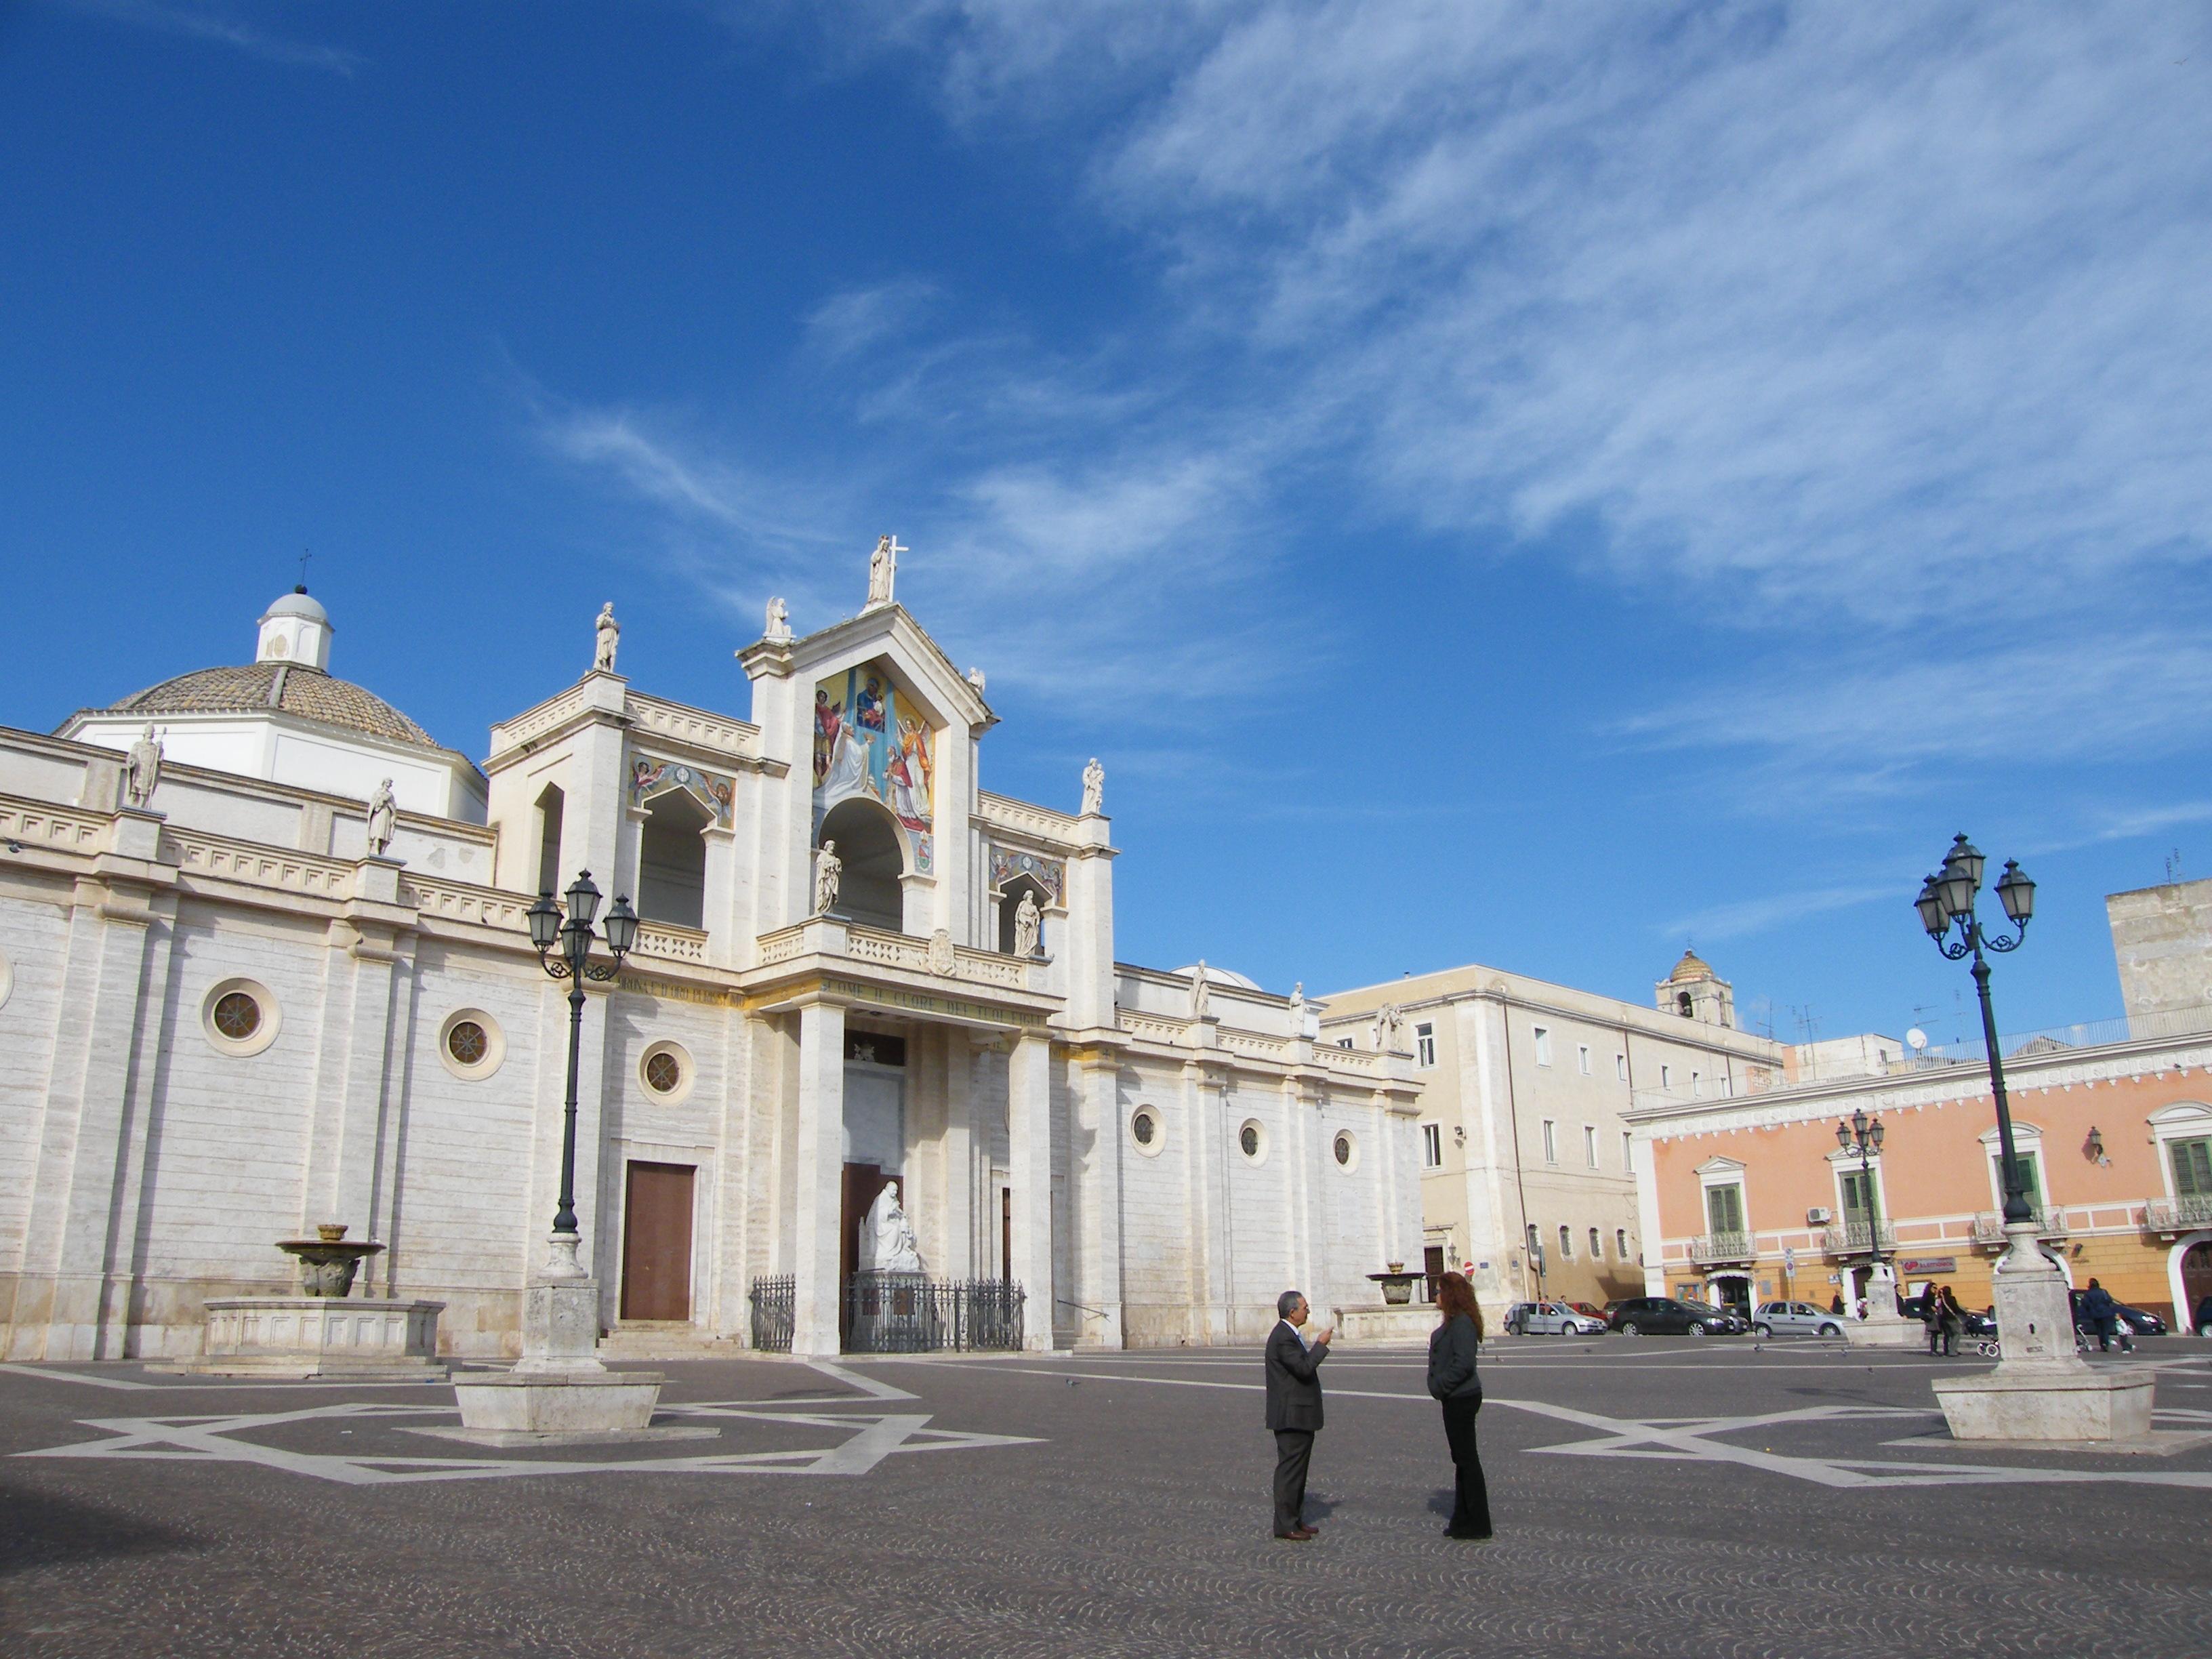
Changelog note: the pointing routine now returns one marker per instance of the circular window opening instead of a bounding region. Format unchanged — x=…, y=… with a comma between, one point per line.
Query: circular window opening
x=467, y=1044
x=1346, y=1149
x=663, y=1073
x=1253, y=1138
x=237, y=1016
x=1145, y=1128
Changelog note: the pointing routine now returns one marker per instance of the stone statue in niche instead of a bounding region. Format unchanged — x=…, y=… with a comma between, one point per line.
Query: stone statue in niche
x=888, y=1244
x=142, y=768
x=383, y=817
x=779, y=620
x=1094, y=788
x=883, y=570
x=1028, y=921
x=828, y=867
x=606, y=633
x=1200, y=996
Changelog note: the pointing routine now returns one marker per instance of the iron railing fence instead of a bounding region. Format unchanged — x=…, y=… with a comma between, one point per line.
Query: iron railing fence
x=1853, y=1236
x=907, y=1312
x=775, y=1298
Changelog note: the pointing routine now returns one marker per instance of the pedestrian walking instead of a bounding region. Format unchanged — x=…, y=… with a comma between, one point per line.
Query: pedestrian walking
x=1294, y=1410
x=1453, y=1383
x=1931, y=1317
x=1836, y=1303
x=2103, y=1315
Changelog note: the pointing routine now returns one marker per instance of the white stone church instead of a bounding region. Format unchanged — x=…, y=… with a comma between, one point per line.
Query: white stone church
x=264, y=966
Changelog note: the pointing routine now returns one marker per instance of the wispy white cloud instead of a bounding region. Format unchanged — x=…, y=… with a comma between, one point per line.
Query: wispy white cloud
x=854, y=319
x=1743, y=918
x=222, y=26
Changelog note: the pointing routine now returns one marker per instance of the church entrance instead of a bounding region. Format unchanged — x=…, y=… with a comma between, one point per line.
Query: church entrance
x=656, y=1282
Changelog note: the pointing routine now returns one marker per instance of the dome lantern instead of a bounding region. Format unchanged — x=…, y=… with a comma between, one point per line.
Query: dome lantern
x=295, y=630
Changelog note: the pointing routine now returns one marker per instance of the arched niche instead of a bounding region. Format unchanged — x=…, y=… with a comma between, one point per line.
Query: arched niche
x=671, y=860
x=1010, y=904
x=873, y=855
x=550, y=809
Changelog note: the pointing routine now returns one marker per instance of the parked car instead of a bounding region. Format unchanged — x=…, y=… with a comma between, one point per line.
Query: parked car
x=1558, y=1318
x=1795, y=1319
x=1515, y=1315
x=1667, y=1316
x=1588, y=1311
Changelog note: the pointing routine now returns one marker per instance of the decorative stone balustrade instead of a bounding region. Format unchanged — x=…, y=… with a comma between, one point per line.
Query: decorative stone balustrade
x=1002, y=812
x=670, y=943
x=199, y=853
x=694, y=727
x=53, y=827
x=454, y=901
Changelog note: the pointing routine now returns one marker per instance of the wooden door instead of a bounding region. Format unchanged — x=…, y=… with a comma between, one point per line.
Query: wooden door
x=656, y=1242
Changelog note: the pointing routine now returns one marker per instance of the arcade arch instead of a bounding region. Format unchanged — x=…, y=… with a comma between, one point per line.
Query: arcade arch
x=873, y=857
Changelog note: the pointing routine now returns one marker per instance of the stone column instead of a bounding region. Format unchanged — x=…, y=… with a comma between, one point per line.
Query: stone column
x=1098, y=1129
x=959, y=1090
x=818, y=1213
x=1206, y=1163
x=1029, y=1172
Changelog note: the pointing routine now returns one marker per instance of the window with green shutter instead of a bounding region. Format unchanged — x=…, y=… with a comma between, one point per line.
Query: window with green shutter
x=2031, y=1185
x=2192, y=1168
x=1724, y=1209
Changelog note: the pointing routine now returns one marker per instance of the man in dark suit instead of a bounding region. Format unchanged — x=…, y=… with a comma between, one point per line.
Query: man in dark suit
x=1293, y=1410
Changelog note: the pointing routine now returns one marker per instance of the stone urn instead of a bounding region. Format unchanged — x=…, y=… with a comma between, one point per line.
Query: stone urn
x=327, y=1262
x=1397, y=1284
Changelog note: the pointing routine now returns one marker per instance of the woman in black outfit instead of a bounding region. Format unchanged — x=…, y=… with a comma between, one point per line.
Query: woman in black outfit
x=1453, y=1382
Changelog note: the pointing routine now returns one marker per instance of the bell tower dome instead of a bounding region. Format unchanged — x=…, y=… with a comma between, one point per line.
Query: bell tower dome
x=296, y=629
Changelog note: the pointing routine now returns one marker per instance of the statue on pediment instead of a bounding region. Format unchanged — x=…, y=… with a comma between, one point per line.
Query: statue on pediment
x=883, y=570
x=606, y=632
x=778, y=621
x=383, y=818
x=1200, y=996
x=1094, y=788
x=142, y=768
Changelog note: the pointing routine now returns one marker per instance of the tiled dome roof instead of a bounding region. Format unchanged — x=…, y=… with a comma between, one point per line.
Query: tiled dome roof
x=307, y=693
x=1690, y=967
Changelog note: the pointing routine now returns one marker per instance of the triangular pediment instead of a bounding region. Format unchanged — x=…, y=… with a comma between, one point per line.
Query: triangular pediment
x=917, y=663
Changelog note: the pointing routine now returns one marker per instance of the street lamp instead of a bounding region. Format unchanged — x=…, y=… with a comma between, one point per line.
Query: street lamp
x=1947, y=911
x=574, y=936
x=1864, y=1134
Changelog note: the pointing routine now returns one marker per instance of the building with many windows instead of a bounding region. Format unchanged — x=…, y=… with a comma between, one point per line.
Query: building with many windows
x=1527, y=1181
x=1753, y=1197
x=265, y=965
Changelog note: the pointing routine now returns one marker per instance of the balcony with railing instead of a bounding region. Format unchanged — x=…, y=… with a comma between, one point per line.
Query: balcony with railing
x=1988, y=1225
x=2177, y=1215
x=1712, y=1249
x=1856, y=1236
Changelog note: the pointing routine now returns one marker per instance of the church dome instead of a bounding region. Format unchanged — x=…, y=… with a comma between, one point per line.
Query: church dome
x=291, y=687
x=1690, y=967
x=298, y=603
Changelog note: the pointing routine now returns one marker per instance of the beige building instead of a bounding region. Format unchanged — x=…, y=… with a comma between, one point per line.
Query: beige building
x=1526, y=1184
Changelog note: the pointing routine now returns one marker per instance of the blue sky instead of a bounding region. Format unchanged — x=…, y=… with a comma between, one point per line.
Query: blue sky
x=1533, y=485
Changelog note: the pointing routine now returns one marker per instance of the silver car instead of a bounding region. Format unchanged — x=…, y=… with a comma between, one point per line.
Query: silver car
x=1557, y=1319
x=1795, y=1319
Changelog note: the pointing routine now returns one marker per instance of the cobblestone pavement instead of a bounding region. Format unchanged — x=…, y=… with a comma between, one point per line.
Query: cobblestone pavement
x=1655, y=1497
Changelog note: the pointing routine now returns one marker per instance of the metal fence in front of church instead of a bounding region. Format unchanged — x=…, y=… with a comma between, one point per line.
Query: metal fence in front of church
x=906, y=1313
x=898, y=1313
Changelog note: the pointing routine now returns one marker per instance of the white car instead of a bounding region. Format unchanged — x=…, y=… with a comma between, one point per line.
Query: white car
x=1557, y=1319
x=1795, y=1319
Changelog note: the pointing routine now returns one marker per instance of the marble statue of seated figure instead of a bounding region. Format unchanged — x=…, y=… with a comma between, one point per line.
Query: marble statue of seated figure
x=888, y=1244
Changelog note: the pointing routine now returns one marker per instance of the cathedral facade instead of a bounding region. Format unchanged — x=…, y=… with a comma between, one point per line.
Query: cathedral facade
x=265, y=967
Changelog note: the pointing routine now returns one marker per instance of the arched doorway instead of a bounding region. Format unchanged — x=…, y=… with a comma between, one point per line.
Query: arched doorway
x=1730, y=1291
x=1010, y=905
x=868, y=849
x=672, y=861
x=2189, y=1271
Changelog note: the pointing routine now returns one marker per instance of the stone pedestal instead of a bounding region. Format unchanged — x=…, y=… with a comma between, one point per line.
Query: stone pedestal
x=558, y=1390
x=2040, y=1389
x=1884, y=1327
x=327, y=1338
x=1387, y=1324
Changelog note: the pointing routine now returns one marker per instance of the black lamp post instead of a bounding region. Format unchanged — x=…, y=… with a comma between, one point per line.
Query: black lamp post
x=1946, y=903
x=1865, y=1134
x=574, y=936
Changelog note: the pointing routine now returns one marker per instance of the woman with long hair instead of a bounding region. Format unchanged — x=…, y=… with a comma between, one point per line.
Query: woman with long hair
x=1453, y=1383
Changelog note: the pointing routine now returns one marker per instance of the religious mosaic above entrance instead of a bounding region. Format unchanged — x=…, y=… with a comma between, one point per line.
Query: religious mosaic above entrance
x=869, y=740
x=649, y=777
x=1050, y=874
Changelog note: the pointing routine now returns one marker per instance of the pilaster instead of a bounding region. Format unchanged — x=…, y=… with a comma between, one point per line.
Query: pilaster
x=1029, y=1173
x=1098, y=1192
x=818, y=1205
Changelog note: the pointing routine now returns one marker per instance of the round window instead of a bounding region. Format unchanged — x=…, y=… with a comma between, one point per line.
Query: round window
x=663, y=1073
x=467, y=1044
x=1345, y=1148
x=237, y=1016
x=1145, y=1129
x=1253, y=1138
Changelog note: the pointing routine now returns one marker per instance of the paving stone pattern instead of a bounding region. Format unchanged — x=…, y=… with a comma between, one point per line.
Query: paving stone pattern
x=1653, y=1497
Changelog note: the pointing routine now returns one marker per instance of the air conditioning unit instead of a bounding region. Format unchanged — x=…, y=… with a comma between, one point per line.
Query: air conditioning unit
x=1817, y=1216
